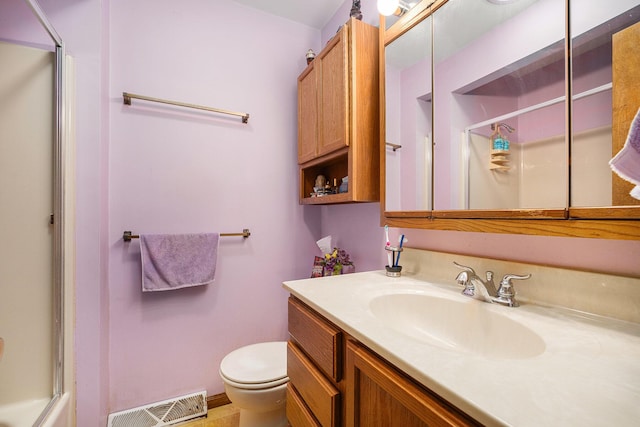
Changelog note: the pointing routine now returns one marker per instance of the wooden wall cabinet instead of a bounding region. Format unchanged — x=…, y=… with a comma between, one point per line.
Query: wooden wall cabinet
x=338, y=117
x=332, y=387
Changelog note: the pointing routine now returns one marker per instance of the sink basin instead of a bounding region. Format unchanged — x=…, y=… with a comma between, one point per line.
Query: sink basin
x=466, y=326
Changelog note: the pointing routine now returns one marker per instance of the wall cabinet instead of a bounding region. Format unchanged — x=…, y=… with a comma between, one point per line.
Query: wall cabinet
x=333, y=387
x=564, y=98
x=338, y=117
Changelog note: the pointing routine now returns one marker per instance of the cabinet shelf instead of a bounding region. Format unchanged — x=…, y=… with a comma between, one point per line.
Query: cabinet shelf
x=327, y=199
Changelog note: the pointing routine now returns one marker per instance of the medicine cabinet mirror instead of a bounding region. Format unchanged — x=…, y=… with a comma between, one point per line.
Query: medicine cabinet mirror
x=408, y=111
x=605, y=66
x=482, y=123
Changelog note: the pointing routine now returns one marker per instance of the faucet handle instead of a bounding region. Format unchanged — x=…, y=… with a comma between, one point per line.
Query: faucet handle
x=509, y=277
x=464, y=267
x=506, y=292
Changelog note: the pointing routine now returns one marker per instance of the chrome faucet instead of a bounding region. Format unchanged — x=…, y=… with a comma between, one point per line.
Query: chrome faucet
x=475, y=287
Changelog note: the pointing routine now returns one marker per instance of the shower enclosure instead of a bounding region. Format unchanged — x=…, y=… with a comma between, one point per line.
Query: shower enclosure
x=32, y=216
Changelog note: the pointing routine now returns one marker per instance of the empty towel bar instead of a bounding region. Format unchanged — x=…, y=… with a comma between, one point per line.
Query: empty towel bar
x=127, y=235
x=127, y=97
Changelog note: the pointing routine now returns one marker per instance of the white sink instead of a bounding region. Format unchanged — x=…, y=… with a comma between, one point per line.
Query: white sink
x=467, y=326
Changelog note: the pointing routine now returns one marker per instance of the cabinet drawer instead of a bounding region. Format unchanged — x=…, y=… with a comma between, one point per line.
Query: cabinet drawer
x=317, y=392
x=298, y=414
x=321, y=341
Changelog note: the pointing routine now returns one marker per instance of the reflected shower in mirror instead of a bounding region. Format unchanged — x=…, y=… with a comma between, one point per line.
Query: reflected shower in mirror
x=408, y=120
x=491, y=76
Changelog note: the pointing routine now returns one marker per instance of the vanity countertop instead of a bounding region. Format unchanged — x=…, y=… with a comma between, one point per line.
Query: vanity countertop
x=587, y=375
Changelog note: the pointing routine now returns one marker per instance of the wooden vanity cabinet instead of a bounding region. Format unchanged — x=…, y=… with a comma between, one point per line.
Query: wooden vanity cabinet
x=338, y=116
x=336, y=381
x=378, y=395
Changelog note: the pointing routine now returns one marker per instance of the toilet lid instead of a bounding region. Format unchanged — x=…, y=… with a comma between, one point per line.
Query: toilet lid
x=256, y=363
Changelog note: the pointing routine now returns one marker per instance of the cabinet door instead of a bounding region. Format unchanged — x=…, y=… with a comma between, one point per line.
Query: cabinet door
x=334, y=94
x=307, y=114
x=380, y=396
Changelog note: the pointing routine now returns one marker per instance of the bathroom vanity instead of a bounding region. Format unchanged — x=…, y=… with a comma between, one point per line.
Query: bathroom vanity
x=336, y=380
x=368, y=350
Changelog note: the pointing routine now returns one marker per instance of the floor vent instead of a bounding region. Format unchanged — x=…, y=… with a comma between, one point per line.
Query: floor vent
x=164, y=413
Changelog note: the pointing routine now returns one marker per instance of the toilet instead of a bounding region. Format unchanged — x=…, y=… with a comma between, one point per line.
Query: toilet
x=255, y=380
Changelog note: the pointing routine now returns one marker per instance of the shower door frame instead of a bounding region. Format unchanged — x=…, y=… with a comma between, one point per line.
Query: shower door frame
x=58, y=218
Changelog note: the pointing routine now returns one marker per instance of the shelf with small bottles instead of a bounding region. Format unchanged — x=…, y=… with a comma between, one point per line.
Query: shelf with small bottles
x=326, y=181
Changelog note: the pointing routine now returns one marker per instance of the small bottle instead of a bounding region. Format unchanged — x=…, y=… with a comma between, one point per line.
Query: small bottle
x=311, y=55
x=505, y=144
x=498, y=143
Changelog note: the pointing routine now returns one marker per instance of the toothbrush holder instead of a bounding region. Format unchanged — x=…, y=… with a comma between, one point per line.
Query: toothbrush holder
x=395, y=269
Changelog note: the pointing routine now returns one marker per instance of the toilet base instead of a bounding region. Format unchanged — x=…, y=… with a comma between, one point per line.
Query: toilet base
x=274, y=418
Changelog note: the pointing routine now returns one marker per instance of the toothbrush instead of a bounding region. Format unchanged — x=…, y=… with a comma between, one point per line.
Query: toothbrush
x=401, y=239
x=388, y=246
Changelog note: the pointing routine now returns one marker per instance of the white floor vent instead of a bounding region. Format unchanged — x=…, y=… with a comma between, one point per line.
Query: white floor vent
x=164, y=413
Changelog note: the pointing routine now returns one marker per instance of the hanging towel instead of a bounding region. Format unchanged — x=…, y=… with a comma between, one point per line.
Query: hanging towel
x=627, y=162
x=174, y=261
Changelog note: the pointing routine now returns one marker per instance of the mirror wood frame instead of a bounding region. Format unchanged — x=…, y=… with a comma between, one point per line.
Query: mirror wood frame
x=614, y=222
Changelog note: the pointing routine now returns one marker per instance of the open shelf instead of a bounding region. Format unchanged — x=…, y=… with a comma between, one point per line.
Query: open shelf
x=335, y=166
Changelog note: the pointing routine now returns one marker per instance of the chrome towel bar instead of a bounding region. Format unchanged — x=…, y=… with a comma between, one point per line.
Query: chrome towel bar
x=128, y=235
x=127, y=97
x=394, y=146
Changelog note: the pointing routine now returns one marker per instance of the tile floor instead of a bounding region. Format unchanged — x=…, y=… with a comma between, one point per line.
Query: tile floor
x=222, y=416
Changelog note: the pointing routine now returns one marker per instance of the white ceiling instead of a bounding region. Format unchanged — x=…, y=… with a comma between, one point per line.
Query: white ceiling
x=314, y=13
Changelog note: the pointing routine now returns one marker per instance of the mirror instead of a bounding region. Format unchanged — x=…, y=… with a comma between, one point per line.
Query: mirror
x=507, y=147
x=499, y=107
x=604, y=37
x=408, y=120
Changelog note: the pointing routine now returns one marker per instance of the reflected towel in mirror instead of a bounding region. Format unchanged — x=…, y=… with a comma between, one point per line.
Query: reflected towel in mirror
x=174, y=261
x=627, y=162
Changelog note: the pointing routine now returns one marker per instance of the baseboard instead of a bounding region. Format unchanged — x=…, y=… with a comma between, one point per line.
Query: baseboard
x=217, y=400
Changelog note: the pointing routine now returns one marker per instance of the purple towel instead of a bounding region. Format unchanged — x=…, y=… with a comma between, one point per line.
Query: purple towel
x=627, y=162
x=174, y=261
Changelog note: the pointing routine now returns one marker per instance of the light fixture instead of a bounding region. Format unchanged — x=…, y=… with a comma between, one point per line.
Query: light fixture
x=392, y=7
x=387, y=7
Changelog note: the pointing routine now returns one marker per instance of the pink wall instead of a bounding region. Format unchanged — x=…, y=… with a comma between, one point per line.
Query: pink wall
x=173, y=171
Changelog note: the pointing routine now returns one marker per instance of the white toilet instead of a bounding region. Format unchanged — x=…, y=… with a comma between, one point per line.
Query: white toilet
x=255, y=380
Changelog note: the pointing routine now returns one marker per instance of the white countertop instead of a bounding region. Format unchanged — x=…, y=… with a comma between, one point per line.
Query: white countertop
x=588, y=374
